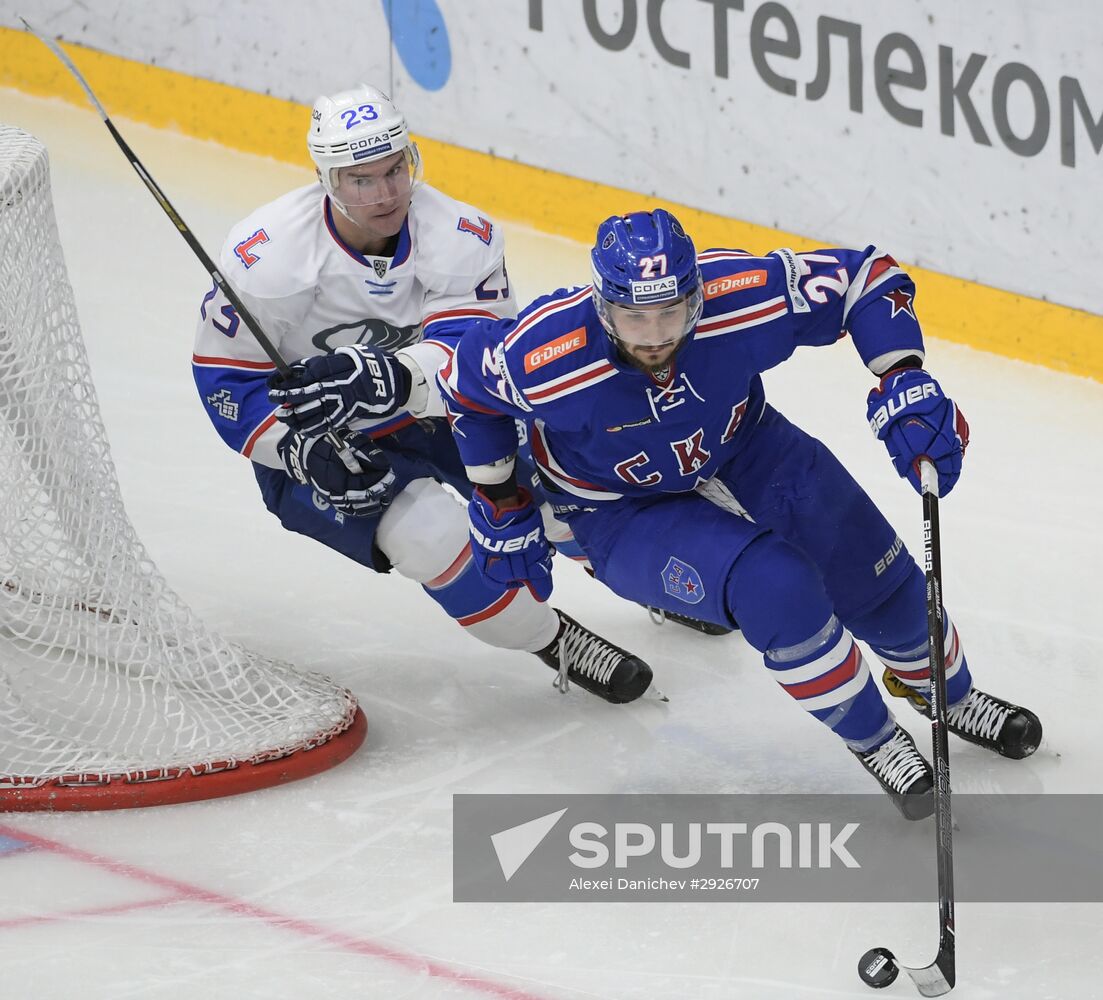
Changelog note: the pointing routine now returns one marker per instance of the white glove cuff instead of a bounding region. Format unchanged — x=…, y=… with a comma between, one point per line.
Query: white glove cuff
x=492, y=473
x=423, y=361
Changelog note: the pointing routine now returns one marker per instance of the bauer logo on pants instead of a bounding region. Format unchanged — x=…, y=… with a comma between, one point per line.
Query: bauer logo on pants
x=682, y=581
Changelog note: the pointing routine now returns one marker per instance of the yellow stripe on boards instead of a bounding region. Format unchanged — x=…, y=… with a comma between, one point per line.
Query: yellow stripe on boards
x=950, y=308
x=159, y=97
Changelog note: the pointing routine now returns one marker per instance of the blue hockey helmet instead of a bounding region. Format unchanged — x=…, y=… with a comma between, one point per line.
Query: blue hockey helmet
x=645, y=261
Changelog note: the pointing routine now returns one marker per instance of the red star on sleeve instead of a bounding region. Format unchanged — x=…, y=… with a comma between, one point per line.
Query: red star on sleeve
x=901, y=302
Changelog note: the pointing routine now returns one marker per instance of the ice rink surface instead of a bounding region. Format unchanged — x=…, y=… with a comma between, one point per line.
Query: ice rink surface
x=340, y=886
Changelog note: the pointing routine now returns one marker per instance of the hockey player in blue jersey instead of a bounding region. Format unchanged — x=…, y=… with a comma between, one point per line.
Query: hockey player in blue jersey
x=370, y=261
x=687, y=490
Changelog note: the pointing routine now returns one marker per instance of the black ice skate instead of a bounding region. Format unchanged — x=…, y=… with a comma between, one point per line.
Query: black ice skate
x=981, y=718
x=660, y=615
x=585, y=659
x=903, y=772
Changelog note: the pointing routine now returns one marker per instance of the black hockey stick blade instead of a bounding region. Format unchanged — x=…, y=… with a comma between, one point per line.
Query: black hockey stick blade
x=878, y=968
x=938, y=978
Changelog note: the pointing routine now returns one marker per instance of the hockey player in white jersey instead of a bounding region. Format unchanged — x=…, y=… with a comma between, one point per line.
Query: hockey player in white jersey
x=371, y=258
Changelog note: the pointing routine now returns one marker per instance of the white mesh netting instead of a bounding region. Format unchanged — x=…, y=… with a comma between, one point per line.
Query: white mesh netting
x=103, y=671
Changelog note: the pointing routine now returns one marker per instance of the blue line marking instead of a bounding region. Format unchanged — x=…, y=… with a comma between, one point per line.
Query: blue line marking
x=8, y=844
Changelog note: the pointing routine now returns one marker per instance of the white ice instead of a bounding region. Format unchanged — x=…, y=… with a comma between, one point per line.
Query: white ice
x=363, y=851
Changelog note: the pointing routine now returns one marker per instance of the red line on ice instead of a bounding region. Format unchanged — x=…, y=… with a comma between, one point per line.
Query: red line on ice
x=410, y=961
x=93, y=911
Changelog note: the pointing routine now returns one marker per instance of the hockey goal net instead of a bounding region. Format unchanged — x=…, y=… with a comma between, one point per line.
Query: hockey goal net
x=112, y=693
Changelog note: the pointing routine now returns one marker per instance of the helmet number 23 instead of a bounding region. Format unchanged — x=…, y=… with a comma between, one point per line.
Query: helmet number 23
x=354, y=116
x=653, y=267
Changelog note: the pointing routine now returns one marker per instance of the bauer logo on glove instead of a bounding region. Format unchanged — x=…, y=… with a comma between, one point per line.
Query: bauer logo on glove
x=909, y=397
x=916, y=420
x=509, y=545
x=327, y=392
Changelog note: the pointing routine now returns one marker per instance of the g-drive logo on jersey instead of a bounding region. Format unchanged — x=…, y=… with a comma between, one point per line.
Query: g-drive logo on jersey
x=555, y=349
x=655, y=290
x=735, y=283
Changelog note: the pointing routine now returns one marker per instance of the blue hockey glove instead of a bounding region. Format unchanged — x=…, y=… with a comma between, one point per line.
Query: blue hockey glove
x=328, y=391
x=509, y=545
x=915, y=419
x=314, y=462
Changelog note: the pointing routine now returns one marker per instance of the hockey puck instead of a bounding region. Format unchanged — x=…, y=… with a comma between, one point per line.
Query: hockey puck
x=878, y=968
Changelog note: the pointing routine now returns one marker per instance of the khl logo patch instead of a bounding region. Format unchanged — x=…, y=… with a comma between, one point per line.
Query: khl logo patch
x=682, y=581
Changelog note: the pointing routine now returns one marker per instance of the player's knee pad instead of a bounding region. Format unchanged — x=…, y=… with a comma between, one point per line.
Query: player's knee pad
x=424, y=531
x=776, y=594
x=516, y=620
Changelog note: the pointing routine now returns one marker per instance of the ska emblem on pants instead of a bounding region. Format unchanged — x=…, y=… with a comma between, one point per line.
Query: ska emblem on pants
x=682, y=581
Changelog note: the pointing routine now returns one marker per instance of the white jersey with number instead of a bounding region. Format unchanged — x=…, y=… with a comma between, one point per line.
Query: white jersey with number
x=311, y=293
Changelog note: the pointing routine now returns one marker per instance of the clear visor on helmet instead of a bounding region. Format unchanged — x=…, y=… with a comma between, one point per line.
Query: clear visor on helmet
x=377, y=182
x=660, y=324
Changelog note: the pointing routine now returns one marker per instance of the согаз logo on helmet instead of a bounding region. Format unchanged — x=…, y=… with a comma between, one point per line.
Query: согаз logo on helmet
x=371, y=146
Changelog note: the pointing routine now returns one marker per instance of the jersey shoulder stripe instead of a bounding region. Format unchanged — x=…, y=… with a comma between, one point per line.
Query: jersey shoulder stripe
x=742, y=319
x=712, y=256
x=574, y=381
x=457, y=314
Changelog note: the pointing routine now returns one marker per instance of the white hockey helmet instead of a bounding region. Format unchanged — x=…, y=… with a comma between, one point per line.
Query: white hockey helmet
x=355, y=127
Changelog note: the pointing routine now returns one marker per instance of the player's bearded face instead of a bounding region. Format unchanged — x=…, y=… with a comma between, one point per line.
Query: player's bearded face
x=376, y=195
x=648, y=336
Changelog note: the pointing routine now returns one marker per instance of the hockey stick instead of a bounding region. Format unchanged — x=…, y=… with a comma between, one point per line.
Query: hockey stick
x=878, y=967
x=342, y=449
